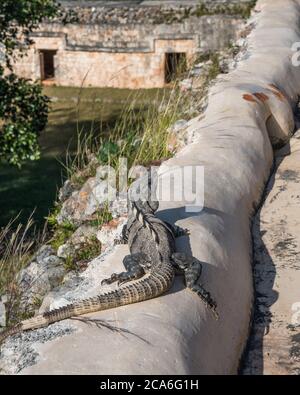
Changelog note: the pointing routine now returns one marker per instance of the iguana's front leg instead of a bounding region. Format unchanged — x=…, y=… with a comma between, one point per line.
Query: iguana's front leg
x=136, y=266
x=192, y=268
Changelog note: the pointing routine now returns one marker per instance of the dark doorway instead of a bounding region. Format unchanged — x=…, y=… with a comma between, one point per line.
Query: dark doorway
x=174, y=65
x=47, y=64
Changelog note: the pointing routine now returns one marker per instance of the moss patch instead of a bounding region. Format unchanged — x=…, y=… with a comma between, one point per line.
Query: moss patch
x=61, y=233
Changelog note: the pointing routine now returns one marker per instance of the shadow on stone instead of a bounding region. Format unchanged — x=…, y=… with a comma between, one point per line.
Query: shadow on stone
x=264, y=273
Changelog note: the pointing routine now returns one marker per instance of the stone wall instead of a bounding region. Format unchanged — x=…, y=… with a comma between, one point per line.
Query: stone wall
x=120, y=53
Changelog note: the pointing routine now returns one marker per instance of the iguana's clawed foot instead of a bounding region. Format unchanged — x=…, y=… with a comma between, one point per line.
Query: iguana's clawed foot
x=136, y=266
x=206, y=298
x=122, y=278
x=186, y=262
x=192, y=269
x=113, y=278
x=179, y=232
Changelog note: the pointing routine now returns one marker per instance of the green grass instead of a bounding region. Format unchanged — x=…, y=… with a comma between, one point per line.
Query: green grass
x=139, y=134
x=90, y=110
x=102, y=217
x=149, y=131
x=214, y=69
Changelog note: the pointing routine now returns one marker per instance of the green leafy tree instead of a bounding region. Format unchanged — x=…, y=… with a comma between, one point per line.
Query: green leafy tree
x=23, y=107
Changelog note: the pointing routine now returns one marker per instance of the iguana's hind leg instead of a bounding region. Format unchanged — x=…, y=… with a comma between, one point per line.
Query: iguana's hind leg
x=136, y=266
x=192, y=268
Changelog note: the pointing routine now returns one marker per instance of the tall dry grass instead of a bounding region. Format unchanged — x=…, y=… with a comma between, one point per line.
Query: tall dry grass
x=17, y=244
x=140, y=134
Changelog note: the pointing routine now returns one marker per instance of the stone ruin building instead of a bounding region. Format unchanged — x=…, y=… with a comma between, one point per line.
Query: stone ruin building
x=127, y=44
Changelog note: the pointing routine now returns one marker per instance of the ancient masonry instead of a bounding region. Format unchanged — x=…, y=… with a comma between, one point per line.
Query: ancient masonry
x=136, y=44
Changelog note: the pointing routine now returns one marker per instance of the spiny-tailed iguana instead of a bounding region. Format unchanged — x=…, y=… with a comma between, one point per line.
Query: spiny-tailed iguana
x=152, y=263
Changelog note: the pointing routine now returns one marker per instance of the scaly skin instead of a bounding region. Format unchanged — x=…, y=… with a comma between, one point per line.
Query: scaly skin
x=158, y=281
x=155, y=282
x=153, y=271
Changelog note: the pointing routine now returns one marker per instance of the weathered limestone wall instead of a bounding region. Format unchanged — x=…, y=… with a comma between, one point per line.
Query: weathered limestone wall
x=123, y=55
x=121, y=70
x=175, y=334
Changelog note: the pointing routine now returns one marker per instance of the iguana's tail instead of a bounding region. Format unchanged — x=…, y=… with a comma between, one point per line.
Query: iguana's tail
x=39, y=321
x=9, y=332
x=157, y=283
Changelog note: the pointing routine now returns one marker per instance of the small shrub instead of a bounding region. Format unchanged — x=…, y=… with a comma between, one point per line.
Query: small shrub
x=214, y=69
x=37, y=302
x=103, y=216
x=108, y=151
x=20, y=102
x=89, y=250
x=52, y=217
x=23, y=107
x=70, y=264
x=61, y=233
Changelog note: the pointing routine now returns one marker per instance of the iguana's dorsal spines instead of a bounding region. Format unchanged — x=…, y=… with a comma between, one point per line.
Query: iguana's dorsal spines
x=149, y=220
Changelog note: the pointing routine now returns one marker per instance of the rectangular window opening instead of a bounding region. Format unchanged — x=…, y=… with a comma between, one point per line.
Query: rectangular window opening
x=175, y=64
